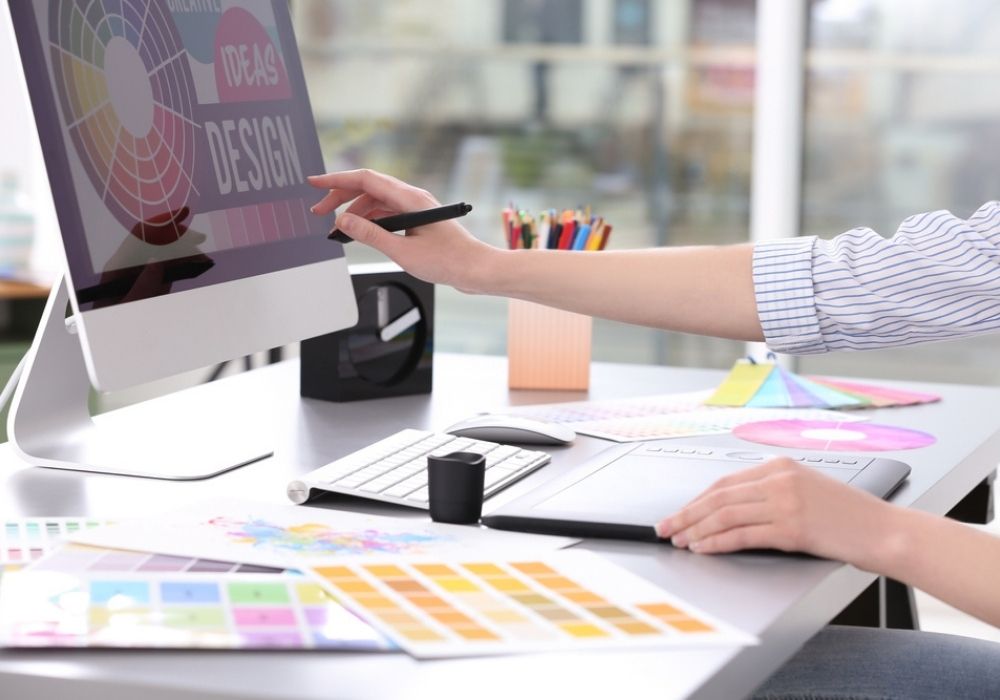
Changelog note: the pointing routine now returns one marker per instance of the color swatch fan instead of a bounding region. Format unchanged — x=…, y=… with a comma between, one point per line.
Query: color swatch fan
x=766, y=385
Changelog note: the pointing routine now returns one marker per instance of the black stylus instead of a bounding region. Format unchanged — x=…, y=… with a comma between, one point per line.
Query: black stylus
x=411, y=219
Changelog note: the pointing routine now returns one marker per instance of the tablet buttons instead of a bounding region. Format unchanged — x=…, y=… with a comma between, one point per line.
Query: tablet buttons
x=747, y=456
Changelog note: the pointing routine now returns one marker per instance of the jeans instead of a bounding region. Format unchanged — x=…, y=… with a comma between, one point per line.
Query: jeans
x=863, y=663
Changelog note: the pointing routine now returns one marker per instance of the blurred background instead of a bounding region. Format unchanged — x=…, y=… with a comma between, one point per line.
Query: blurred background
x=645, y=109
x=642, y=108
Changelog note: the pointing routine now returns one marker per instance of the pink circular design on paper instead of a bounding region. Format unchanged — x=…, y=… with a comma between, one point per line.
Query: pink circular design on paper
x=248, y=65
x=830, y=435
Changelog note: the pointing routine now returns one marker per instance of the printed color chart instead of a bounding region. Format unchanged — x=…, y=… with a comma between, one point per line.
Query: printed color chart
x=237, y=611
x=73, y=558
x=565, y=601
x=660, y=417
x=27, y=539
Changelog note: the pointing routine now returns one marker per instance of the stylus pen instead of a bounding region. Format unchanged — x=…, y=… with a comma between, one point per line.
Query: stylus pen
x=411, y=219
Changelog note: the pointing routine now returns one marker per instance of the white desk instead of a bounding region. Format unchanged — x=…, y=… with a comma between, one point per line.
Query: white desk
x=783, y=599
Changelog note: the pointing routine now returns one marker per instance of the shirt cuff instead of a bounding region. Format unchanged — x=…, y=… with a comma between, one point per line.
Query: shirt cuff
x=786, y=301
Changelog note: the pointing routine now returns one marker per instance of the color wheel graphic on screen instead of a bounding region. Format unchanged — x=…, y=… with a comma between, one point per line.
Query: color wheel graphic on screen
x=127, y=96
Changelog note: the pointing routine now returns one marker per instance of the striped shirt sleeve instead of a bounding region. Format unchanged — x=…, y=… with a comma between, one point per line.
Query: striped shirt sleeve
x=937, y=278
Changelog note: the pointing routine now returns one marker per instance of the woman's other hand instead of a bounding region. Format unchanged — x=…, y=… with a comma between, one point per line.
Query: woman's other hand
x=784, y=505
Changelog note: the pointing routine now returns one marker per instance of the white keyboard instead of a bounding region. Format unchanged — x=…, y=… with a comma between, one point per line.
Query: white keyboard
x=395, y=469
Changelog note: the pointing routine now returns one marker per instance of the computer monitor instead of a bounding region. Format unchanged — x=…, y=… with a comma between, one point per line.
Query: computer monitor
x=177, y=135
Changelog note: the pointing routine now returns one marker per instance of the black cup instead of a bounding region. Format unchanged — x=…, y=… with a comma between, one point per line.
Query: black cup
x=455, y=487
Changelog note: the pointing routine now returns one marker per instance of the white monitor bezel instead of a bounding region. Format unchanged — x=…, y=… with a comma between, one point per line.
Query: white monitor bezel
x=216, y=323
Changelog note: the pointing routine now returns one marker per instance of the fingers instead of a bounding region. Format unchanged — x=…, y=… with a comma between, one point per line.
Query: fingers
x=753, y=473
x=707, y=504
x=724, y=519
x=366, y=232
x=745, y=476
x=351, y=183
x=749, y=537
x=760, y=507
x=367, y=207
x=331, y=200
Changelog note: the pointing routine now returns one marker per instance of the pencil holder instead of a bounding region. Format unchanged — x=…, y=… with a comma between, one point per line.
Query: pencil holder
x=547, y=348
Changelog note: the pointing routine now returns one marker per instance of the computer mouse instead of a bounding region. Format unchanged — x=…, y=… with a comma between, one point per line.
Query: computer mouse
x=512, y=429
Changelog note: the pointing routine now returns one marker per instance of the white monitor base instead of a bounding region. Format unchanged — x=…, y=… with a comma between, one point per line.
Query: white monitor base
x=50, y=423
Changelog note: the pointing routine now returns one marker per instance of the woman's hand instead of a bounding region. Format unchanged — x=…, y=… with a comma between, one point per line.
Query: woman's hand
x=783, y=505
x=443, y=253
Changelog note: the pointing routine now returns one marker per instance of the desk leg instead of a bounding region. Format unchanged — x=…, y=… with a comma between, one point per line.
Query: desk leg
x=977, y=507
x=885, y=603
x=863, y=611
x=900, y=605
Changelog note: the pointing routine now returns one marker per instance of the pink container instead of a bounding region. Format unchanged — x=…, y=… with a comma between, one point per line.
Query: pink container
x=547, y=348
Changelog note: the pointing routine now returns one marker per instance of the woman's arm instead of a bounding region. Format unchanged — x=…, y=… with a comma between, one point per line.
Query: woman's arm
x=950, y=560
x=938, y=277
x=783, y=505
x=706, y=290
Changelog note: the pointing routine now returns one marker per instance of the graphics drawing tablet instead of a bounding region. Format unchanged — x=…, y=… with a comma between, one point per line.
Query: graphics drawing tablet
x=622, y=492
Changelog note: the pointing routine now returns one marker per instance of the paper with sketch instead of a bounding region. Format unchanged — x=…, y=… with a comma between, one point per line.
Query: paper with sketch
x=296, y=536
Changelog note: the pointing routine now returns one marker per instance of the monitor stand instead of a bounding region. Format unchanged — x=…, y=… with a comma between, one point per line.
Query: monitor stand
x=192, y=434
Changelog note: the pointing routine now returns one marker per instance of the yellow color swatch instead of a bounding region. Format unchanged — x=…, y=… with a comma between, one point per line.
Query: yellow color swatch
x=744, y=380
x=583, y=630
x=312, y=594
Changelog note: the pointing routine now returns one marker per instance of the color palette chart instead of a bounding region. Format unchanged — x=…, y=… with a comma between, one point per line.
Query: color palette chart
x=766, y=385
x=259, y=223
x=660, y=417
x=564, y=601
x=235, y=611
x=74, y=558
x=27, y=539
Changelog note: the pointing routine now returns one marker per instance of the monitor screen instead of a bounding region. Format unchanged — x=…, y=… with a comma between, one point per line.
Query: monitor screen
x=177, y=137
